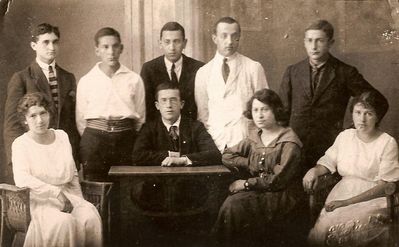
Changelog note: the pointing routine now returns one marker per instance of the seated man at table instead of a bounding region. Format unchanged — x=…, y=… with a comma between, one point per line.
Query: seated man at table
x=174, y=139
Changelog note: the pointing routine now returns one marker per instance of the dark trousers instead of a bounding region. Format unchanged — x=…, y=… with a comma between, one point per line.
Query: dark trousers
x=99, y=150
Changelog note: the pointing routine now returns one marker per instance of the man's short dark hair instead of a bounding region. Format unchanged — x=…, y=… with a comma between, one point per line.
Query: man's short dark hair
x=226, y=19
x=106, y=31
x=372, y=100
x=324, y=26
x=270, y=98
x=168, y=85
x=173, y=26
x=42, y=29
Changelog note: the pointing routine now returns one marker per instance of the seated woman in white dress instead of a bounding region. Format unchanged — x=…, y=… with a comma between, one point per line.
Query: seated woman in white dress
x=355, y=210
x=42, y=161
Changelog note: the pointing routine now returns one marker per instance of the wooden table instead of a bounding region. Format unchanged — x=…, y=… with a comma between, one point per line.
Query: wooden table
x=174, y=193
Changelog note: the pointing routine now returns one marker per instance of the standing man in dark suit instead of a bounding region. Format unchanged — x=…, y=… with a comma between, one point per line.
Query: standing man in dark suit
x=43, y=75
x=316, y=92
x=173, y=66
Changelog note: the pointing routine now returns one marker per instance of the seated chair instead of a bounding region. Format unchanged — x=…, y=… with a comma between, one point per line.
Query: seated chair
x=15, y=211
x=326, y=182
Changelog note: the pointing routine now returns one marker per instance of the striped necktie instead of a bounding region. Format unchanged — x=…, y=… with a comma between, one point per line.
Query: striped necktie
x=174, y=137
x=53, y=85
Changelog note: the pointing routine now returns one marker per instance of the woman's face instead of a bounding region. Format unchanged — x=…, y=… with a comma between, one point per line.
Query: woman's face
x=365, y=119
x=263, y=115
x=38, y=119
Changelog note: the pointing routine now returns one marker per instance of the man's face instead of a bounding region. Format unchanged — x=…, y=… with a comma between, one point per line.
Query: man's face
x=109, y=49
x=317, y=45
x=46, y=47
x=172, y=44
x=169, y=104
x=227, y=38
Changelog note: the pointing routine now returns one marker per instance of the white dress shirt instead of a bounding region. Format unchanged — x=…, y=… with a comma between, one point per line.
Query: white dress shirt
x=44, y=67
x=221, y=104
x=178, y=67
x=101, y=97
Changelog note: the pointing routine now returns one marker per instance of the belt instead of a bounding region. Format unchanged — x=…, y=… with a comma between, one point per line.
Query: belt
x=111, y=125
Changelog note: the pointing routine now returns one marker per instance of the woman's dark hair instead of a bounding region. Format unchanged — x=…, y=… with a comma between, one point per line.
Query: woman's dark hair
x=372, y=100
x=32, y=99
x=270, y=98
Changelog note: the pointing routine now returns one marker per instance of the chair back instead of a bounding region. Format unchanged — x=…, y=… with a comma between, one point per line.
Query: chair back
x=15, y=213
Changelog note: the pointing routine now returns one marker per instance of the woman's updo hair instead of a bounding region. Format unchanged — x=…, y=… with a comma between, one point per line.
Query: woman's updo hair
x=372, y=100
x=32, y=99
x=270, y=98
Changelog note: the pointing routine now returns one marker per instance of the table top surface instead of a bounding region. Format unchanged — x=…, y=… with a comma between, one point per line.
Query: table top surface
x=160, y=170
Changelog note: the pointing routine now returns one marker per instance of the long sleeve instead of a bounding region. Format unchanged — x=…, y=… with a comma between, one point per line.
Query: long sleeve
x=236, y=158
x=283, y=173
x=23, y=177
x=149, y=92
x=139, y=102
x=81, y=106
x=260, y=78
x=201, y=96
x=74, y=185
x=208, y=153
x=143, y=151
x=286, y=90
x=12, y=125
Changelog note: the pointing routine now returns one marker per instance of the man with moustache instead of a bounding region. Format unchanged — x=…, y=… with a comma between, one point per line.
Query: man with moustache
x=225, y=84
x=172, y=66
x=110, y=109
x=46, y=76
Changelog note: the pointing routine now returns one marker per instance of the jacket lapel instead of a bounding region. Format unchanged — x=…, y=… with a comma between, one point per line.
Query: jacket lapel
x=62, y=91
x=303, y=75
x=326, y=79
x=163, y=71
x=235, y=72
x=184, y=136
x=184, y=72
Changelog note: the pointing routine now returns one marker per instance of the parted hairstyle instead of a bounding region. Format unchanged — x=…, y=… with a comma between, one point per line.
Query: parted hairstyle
x=168, y=85
x=172, y=26
x=270, y=98
x=29, y=100
x=324, y=26
x=372, y=100
x=106, y=31
x=42, y=29
x=226, y=19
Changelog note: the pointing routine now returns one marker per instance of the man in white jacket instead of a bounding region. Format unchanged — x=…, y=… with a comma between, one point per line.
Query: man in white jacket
x=225, y=84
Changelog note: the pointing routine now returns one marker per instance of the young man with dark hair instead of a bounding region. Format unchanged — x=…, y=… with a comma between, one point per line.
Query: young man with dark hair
x=110, y=108
x=172, y=66
x=224, y=85
x=173, y=139
x=46, y=76
x=316, y=92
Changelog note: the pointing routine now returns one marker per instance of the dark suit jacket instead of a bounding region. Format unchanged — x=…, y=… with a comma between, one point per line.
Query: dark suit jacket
x=32, y=79
x=153, y=142
x=154, y=73
x=318, y=119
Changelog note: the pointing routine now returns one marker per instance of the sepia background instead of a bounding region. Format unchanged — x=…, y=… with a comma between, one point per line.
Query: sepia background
x=272, y=33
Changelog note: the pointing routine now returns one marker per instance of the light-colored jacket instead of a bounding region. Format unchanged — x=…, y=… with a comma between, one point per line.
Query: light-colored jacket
x=221, y=104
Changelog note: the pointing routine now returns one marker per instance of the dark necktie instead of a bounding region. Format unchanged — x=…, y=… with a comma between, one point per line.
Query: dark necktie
x=225, y=70
x=174, y=137
x=316, y=76
x=53, y=85
x=173, y=74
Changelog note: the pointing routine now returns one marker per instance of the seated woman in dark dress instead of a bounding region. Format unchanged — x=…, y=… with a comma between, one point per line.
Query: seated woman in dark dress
x=267, y=164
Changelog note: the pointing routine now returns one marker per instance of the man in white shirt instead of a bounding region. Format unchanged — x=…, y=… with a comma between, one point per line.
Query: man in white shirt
x=110, y=109
x=225, y=84
x=46, y=76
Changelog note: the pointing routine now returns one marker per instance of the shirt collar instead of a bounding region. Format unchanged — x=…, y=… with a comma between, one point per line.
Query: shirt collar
x=319, y=65
x=169, y=64
x=43, y=65
x=177, y=123
x=220, y=58
x=122, y=68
